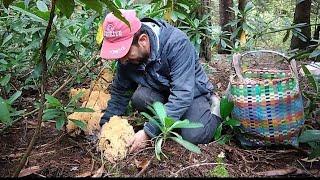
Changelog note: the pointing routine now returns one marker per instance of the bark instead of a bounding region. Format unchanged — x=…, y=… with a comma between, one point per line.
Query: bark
x=225, y=17
x=302, y=15
x=205, y=47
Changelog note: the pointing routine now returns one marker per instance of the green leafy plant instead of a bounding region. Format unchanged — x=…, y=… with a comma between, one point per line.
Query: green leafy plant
x=7, y=111
x=311, y=95
x=227, y=122
x=312, y=138
x=220, y=170
x=57, y=111
x=195, y=29
x=167, y=124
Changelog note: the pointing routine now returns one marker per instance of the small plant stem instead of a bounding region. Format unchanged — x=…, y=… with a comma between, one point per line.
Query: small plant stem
x=43, y=90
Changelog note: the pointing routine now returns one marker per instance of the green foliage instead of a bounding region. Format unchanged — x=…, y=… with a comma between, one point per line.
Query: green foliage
x=57, y=111
x=195, y=28
x=219, y=170
x=312, y=138
x=167, y=125
x=226, y=108
x=7, y=111
x=312, y=96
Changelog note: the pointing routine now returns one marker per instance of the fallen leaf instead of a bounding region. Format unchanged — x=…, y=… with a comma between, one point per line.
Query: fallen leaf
x=99, y=172
x=278, y=172
x=29, y=170
x=85, y=174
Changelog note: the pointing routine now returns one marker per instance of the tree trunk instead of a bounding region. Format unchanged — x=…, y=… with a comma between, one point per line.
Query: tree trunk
x=205, y=46
x=302, y=15
x=241, y=6
x=225, y=17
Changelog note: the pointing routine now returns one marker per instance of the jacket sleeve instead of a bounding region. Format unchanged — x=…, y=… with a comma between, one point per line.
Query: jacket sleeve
x=121, y=91
x=181, y=58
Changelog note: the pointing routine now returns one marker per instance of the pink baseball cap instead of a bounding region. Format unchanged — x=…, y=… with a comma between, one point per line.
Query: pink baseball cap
x=117, y=37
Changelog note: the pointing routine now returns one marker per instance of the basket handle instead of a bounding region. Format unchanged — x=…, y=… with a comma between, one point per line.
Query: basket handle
x=237, y=57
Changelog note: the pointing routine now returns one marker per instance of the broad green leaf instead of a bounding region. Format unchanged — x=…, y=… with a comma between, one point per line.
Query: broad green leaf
x=6, y=39
x=309, y=135
x=160, y=110
x=66, y=7
x=158, y=148
x=225, y=108
x=315, y=53
x=4, y=112
x=53, y=101
x=168, y=121
x=146, y=115
x=185, y=124
x=187, y=145
x=62, y=37
x=83, y=109
x=6, y=3
x=14, y=97
x=95, y=5
x=112, y=7
x=2, y=61
x=30, y=14
x=51, y=49
x=42, y=6
x=50, y=114
x=217, y=133
x=152, y=110
x=232, y=122
x=59, y=123
x=5, y=80
x=176, y=134
x=82, y=125
x=311, y=78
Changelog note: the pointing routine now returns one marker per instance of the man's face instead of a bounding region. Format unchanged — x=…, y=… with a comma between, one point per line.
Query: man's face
x=136, y=55
x=138, y=52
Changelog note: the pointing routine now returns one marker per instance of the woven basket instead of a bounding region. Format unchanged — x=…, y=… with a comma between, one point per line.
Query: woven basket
x=267, y=101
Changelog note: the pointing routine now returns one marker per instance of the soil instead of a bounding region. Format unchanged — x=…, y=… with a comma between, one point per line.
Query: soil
x=56, y=154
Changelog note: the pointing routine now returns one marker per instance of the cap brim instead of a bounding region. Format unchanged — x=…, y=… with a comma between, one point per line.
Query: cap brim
x=115, y=50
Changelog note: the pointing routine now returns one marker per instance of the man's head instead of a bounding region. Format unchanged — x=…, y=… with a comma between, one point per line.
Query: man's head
x=121, y=42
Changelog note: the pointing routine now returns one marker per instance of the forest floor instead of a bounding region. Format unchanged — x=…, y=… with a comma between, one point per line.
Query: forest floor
x=56, y=154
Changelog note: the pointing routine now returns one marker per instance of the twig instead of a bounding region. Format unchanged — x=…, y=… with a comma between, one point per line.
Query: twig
x=145, y=167
x=43, y=89
x=197, y=165
x=305, y=168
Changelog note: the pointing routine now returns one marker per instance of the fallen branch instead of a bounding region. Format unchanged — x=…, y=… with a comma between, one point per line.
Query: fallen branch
x=43, y=89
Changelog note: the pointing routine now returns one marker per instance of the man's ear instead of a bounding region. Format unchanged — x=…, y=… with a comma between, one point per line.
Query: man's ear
x=143, y=40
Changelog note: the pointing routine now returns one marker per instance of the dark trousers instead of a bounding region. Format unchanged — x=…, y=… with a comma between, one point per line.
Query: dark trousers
x=199, y=111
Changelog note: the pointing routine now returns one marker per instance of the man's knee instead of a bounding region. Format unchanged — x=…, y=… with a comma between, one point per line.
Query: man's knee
x=144, y=96
x=202, y=135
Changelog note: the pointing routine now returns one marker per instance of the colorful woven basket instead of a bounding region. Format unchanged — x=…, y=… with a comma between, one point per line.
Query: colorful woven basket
x=267, y=102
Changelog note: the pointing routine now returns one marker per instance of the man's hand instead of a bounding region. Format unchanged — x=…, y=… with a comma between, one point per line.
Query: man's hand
x=138, y=141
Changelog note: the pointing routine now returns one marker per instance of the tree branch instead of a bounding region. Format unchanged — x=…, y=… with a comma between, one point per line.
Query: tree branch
x=43, y=89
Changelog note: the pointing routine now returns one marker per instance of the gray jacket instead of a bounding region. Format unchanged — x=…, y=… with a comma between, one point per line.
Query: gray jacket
x=172, y=68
